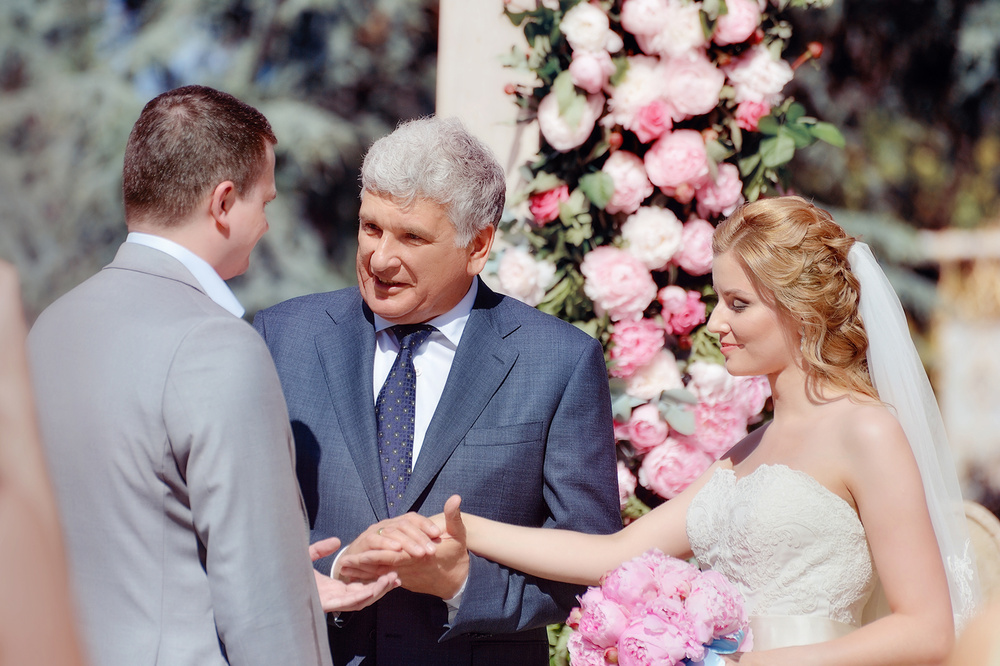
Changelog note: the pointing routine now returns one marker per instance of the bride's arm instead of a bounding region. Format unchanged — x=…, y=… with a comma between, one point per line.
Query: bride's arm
x=561, y=555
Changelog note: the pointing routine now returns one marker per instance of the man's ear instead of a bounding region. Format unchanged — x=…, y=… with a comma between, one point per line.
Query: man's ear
x=479, y=249
x=221, y=205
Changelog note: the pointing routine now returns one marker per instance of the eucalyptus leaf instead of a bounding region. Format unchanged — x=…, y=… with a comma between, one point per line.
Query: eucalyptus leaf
x=599, y=188
x=679, y=418
x=679, y=395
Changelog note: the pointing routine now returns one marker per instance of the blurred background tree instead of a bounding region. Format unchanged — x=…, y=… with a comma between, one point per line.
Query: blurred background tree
x=331, y=75
x=912, y=84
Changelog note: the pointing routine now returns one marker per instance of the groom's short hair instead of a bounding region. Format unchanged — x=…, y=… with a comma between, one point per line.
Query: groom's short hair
x=185, y=142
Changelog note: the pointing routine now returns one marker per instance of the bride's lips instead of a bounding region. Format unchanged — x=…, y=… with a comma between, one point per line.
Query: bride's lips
x=727, y=347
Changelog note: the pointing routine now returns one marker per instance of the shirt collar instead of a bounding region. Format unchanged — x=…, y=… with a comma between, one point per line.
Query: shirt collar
x=452, y=323
x=213, y=285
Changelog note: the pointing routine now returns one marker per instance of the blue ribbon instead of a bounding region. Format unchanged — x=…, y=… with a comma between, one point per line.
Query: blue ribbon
x=726, y=645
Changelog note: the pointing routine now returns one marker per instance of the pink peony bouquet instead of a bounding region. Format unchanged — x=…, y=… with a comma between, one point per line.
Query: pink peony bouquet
x=657, y=609
x=656, y=119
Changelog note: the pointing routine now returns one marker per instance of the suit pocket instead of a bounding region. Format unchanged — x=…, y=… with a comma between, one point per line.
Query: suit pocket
x=505, y=435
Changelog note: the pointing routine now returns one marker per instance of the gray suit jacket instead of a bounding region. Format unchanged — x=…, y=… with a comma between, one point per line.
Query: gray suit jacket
x=169, y=446
x=523, y=432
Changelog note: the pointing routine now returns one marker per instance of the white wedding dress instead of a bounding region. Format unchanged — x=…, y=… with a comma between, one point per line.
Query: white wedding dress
x=796, y=551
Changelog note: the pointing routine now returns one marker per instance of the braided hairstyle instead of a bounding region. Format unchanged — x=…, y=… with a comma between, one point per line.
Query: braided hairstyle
x=794, y=252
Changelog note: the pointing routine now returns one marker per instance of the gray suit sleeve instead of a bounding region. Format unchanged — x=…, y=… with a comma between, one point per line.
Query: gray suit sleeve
x=228, y=427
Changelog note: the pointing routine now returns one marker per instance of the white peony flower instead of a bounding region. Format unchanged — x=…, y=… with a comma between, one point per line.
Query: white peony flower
x=524, y=277
x=757, y=77
x=653, y=234
x=557, y=132
x=692, y=84
x=587, y=28
x=641, y=85
x=660, y=374
x=644, y=17
x=681, y=32
x=632, y=186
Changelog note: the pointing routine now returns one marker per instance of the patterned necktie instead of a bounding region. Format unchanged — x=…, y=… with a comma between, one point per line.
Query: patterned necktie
x=394, y=414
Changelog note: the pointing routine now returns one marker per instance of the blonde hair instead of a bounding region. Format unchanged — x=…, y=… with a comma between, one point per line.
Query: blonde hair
x=794, y=252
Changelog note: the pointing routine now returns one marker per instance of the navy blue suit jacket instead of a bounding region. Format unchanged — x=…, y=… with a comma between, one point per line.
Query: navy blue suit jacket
x=523, y=432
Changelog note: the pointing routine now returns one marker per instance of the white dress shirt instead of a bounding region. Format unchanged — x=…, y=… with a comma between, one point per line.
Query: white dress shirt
x=431, y=361
x=432, y=364
x=215, y=287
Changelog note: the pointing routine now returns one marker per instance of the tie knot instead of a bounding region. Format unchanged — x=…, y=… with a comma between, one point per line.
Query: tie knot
x=411, y=335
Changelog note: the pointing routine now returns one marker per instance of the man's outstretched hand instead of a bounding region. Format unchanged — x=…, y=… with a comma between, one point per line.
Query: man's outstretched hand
x=437, y=565
x=336, y=595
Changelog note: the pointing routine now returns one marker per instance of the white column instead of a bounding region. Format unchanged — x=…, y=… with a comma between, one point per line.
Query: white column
x=472, y=37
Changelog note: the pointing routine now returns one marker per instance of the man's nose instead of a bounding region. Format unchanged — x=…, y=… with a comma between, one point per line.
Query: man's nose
x=385, y=256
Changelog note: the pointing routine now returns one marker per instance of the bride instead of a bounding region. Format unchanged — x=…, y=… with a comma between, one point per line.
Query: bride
x=847, y=499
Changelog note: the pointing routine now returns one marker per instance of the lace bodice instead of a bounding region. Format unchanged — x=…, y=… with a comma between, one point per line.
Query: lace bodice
x=793, y=547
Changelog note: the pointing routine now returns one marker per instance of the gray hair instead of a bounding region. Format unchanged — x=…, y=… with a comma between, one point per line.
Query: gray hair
x=437, y=159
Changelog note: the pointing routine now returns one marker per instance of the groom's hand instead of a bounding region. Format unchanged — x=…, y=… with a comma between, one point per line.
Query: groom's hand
x=336, y=595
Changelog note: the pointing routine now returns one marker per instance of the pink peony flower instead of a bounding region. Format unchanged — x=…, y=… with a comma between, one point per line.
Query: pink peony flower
x=715, y=607
x=695, y=255
x=677, y=159
x=653, y=234
x=671, y=467
x=758, y=77
x=711, y=383
x=651, y=379
x=631, y=184
x=725, y=406
x=544, y=206
x=692, y=85
x=722, y=195
x=632, y=584
x=651, y=639
x=583, y=652
x=682, y=310
x=555, y=129
x=647, y=429
x=749, y=113
x=617, y=283
x=652, y=121
x=602, y=620
x=738, y=24
x=524, y=277
x=626, y=484
x=590, y=70
x=633, y=344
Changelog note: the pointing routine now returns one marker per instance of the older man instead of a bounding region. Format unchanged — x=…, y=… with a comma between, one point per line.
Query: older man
x=421, y=383
x=163, y=418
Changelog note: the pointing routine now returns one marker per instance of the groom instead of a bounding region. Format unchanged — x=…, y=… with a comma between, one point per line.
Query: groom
x=421, y=383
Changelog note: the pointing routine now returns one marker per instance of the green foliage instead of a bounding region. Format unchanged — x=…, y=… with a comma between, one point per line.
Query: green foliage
x=331, y=76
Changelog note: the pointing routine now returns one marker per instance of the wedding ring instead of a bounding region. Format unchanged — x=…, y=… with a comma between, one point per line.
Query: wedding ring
x=380, y=531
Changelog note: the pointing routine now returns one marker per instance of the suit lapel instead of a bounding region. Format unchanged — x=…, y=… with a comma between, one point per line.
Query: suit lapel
x=482, y=362
x=346, y=351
